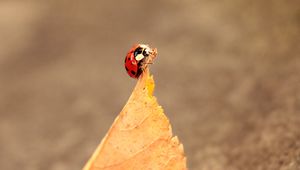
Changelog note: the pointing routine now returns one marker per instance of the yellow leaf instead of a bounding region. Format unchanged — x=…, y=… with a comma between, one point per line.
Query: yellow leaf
x=140, y=137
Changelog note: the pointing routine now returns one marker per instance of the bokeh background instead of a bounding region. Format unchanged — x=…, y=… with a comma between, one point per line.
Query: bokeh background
x=227, y=76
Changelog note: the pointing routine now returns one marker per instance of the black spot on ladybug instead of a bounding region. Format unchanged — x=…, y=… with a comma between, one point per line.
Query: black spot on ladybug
x=133, y=72
x=126, y=68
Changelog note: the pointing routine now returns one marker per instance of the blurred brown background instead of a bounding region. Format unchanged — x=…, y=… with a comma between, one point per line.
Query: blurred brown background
x=227, y=75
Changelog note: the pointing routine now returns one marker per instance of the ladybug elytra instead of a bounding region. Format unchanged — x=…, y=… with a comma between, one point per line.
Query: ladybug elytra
x=137, y=59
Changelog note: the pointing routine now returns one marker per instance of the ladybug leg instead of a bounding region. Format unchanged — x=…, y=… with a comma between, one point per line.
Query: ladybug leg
x=154, y=52
x=148, y=60
x=144, y=67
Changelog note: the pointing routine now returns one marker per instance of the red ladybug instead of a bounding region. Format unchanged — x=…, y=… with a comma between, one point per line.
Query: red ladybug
x=137, y=59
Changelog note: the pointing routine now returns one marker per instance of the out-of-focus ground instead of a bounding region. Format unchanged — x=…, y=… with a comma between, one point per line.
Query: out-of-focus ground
x=227, y=75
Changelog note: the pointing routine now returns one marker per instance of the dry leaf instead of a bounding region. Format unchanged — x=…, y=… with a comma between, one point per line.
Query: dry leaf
x=140, y=137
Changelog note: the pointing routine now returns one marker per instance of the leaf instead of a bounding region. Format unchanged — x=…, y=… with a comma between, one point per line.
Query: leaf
x=140, y=137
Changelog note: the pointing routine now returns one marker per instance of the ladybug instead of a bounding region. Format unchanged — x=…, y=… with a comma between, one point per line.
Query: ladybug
x=137, y=59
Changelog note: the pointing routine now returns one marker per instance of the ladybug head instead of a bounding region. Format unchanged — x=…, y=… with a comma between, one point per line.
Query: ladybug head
x=141, y=52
